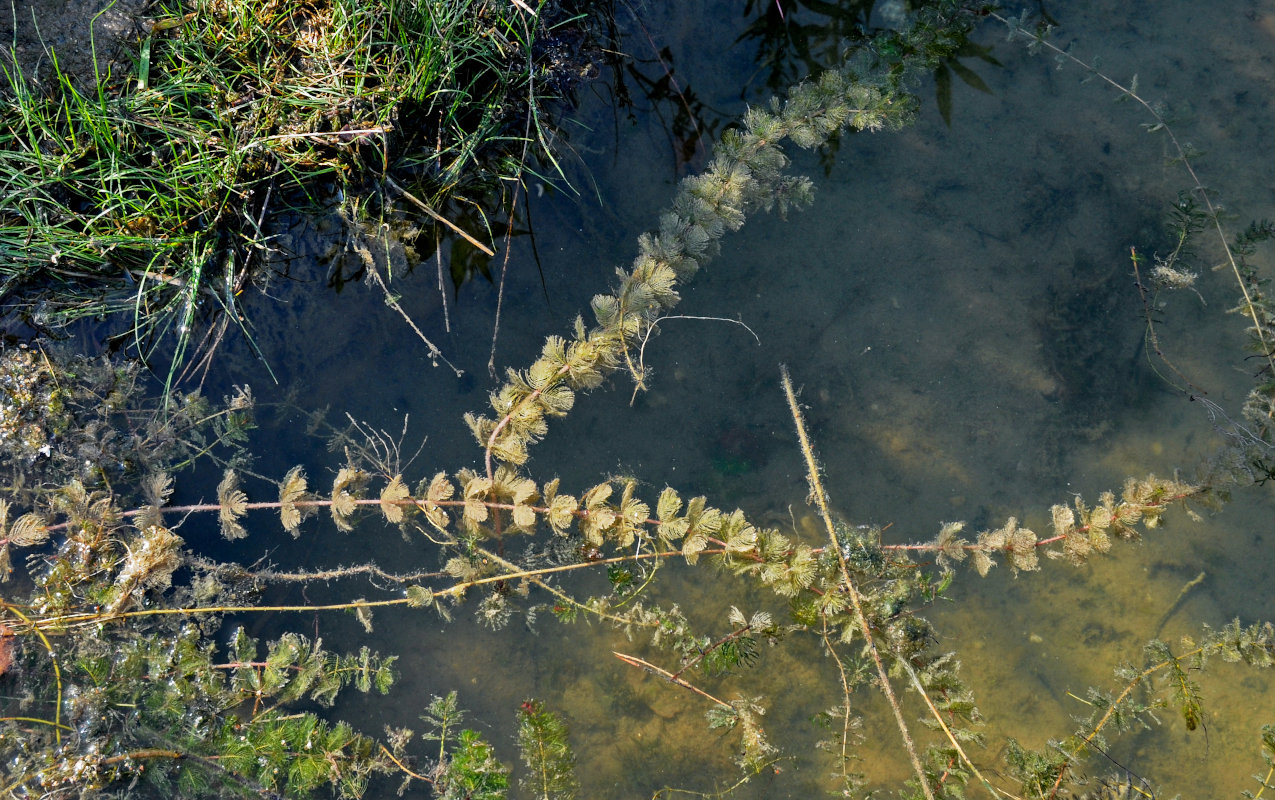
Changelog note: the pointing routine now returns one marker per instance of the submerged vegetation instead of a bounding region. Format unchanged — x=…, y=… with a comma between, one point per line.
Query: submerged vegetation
x=129, y=665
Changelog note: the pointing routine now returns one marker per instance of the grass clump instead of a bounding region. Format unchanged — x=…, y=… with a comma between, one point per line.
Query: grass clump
x=152, y=193
x=126, y=678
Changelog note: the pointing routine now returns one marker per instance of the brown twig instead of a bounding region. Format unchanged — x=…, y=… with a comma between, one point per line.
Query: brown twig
x=423, y=206
x=634, y=661
x=735, y=634
x=821, y=502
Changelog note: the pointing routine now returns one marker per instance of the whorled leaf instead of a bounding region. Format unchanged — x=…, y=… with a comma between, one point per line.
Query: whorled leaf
x=461, y=568
x=394, y=493
x=630, y=517
x=668, y=505
x=511, y=447
x=524, y=517
x=599, y=516
x=234, y=504
x=983, y=563
x=1022, y=549
x=147, y=516
x=291, y=492
x=475, y=511
x=606, y=309
x=693, y=544
x=800, y=573
x=474, y=485
x=419, y=596
x=29, y=530
x=634, y=511
x=439, y=490
x=1100, y=518
x=949, y=546
x=562, y=510
x=476, y=491
x=558, y=400
x=1064, y=521
x=673, y=529
x=157, y=487
x=703, y=518
x=740, y=535
x=346, y=488
x=521, y=490
x=1099, y=540
x=1077, y=548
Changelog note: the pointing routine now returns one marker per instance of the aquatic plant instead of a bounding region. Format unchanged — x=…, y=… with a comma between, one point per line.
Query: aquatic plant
x=126, y=681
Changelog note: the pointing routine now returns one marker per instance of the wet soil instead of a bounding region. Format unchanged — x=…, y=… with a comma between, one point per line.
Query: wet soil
x=44, y=36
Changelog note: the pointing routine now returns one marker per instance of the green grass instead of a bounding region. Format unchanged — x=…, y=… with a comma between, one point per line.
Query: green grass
x=147, y=195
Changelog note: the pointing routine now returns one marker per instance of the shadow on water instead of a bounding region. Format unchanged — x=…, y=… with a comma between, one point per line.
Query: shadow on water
x=959, y=311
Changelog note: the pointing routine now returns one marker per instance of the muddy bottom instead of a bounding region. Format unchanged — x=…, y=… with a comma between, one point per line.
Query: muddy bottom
x=45, y=36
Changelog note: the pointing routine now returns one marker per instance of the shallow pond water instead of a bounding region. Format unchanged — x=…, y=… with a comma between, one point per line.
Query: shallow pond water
x=959, y=311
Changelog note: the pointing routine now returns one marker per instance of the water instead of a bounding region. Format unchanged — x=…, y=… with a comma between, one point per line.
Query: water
x=959, y=311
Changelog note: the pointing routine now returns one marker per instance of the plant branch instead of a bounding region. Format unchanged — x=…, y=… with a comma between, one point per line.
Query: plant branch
x=634, y=661
x=1215, y=217
x=821, y=501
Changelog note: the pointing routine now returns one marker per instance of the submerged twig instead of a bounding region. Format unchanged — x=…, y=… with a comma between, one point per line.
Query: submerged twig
x=423, y=206
x=634, y=661
x=435, y=354
x=821, y=502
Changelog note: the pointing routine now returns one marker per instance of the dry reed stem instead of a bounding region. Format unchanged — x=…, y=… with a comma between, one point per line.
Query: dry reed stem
x=821, y=501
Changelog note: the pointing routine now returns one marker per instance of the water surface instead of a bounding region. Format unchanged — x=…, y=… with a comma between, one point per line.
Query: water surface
x=959, y=310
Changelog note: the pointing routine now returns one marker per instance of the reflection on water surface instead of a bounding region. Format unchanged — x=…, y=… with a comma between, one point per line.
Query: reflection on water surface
x=959, y=311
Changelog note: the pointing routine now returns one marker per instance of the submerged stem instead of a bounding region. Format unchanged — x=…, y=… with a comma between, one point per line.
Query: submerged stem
x=821, y=501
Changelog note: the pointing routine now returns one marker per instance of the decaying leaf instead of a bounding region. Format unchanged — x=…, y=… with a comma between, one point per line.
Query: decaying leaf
x=153, y=557
x=1064, y=520
x=363, y=614
x=1022, y=550
x=950, y=546
x=982, y=562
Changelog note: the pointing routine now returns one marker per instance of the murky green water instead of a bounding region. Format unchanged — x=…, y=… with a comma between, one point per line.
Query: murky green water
x=959, y=310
